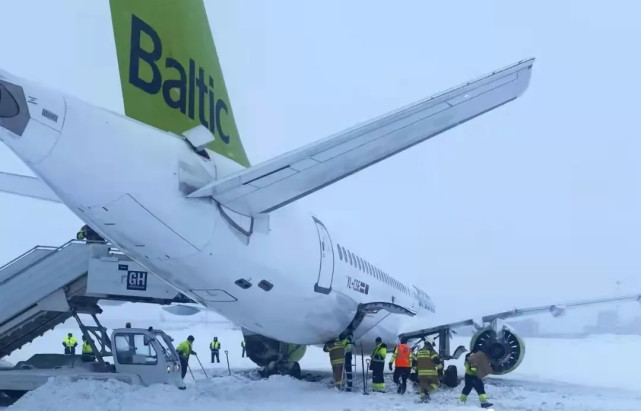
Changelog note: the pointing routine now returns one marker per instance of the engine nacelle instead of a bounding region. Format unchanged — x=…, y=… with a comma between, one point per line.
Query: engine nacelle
x=263, y=350
x=505, y=349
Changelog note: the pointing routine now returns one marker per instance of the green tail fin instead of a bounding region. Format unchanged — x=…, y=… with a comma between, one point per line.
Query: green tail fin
x=169, y=70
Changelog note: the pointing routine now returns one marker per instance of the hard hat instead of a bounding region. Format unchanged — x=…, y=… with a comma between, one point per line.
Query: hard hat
x=430, y=341
x=379, y=339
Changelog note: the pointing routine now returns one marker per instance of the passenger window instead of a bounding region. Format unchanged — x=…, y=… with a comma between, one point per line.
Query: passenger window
x=340, y=253
x=358, y=261
x=351, y=257
x=135, y=349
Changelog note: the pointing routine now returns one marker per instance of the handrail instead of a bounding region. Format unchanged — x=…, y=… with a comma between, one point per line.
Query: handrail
x=53, y=251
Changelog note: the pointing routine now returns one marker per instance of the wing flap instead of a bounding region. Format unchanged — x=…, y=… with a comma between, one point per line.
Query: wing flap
x=286, y=178
x=26, y=186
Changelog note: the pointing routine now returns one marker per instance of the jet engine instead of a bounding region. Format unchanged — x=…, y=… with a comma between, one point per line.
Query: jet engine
x=274, y=356
x=504, y=348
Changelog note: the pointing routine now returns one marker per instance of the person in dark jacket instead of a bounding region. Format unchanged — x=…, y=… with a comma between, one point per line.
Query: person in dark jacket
x=472, y=380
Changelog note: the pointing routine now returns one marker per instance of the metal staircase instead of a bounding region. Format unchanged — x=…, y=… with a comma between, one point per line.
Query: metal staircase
x=46, y=286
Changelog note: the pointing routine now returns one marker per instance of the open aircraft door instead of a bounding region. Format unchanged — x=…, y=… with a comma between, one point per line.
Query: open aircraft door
x=326, y=270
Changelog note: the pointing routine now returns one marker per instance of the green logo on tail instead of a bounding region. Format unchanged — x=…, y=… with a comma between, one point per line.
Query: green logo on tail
x=169, y=70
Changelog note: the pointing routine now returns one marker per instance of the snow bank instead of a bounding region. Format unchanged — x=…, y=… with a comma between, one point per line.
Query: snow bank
x=556, y=374
x=284, y=393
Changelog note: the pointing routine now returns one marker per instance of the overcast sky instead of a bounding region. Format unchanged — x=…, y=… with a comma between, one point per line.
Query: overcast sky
x=535, y=202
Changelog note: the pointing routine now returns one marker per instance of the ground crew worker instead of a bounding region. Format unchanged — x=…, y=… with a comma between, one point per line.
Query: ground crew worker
x=214, y=346
x=88, y=234
x=70, y=343
x=428, y=381
x=348, y=362
x=336, y=350
x=377, y=365
x=87, y=351
x=242, y=344
x=401, y=358
x=185, y=349
x=473, y=381
x=436, y=359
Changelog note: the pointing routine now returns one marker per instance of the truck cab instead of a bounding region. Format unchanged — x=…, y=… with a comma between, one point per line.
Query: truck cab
x=149, y=354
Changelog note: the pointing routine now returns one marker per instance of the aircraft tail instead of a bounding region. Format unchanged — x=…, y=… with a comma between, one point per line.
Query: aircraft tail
x=169, y=70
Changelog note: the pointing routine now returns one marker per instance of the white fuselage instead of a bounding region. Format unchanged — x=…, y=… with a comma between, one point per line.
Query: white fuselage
x=124, y=179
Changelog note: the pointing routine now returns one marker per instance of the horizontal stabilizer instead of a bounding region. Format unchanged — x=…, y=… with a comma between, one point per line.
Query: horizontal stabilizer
x=286, y=178
x=26, y=186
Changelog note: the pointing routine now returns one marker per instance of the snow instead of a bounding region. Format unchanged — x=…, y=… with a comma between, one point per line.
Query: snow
x=556, y=374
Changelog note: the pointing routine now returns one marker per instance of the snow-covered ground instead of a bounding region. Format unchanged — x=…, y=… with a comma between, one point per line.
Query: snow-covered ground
x=596, y=373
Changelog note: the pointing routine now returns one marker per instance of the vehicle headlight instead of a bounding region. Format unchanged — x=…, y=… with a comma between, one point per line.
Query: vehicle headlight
x=168, y=368
x=177, y=367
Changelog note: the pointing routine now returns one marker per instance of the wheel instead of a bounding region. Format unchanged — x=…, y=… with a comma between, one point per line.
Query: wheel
x=295, y=370
x=14, y=394
x=450, y=377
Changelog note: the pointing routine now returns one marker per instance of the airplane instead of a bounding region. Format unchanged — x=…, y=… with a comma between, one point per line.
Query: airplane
x=169, y=183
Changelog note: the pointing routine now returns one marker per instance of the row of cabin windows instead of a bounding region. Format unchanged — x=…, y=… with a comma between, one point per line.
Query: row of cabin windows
x=360, y=264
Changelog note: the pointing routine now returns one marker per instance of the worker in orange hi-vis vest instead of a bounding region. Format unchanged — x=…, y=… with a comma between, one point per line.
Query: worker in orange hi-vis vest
x=402, y=358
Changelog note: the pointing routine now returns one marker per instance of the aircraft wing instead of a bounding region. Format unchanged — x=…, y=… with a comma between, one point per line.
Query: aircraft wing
x=555, y=309
x=286, y=178
x=26, y=186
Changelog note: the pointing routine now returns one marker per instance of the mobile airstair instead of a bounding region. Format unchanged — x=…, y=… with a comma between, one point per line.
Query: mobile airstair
x=46, y=286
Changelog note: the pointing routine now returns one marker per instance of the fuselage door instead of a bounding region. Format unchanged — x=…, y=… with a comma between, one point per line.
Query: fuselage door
x=326, y=270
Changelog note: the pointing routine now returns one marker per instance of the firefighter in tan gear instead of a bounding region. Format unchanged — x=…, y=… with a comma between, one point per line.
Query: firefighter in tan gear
x=435, y=357
x=426, y=362
x=336, y=350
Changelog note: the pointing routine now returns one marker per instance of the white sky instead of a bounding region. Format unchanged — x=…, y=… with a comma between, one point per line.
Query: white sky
x=535, y=202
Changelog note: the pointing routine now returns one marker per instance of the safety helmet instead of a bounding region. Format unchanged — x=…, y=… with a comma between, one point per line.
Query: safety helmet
x=379, y=339
x=430, y=341
x=190, y=338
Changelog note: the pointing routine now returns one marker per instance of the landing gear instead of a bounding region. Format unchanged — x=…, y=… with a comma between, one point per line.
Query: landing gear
x=282, y=368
